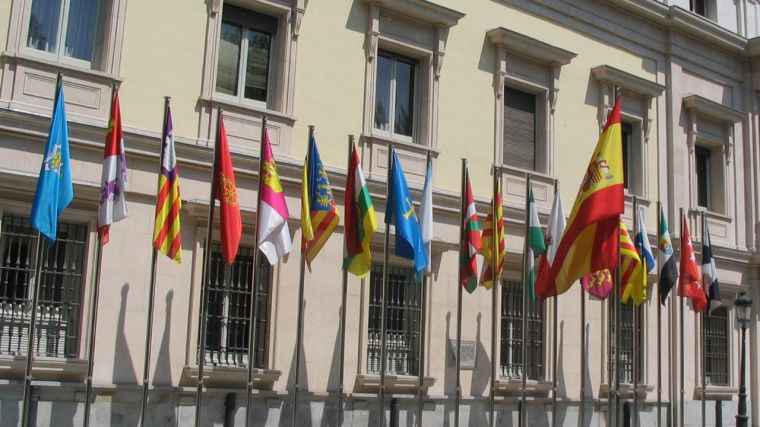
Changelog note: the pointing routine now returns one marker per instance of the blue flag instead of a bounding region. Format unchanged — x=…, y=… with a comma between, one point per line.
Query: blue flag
x=54, y=187
x=400, y=212
x=642, y=243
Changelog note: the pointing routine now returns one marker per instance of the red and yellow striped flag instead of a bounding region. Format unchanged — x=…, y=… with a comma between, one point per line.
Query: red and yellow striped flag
x=487, y=276
x=632, y=273
x=166, y=232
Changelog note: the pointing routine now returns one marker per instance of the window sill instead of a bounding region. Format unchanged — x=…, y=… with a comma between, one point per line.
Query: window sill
x=247, y=109
x=716, y=392
x=412, y=155
x=230, y=376
x=393, y=383
x=50, y=65
x=627, y=391
x=513, y=386
x=44, y=368
x=412, y=146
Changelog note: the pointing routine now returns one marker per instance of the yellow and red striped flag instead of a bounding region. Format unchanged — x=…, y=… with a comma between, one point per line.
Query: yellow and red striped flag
x=632, y=273
x=487, y=275
x=166, y=231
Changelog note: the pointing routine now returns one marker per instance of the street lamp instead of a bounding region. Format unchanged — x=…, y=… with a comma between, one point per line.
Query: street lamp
x=743, y=305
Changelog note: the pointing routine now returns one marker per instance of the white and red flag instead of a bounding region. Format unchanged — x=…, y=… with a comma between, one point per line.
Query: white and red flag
x=112, y=206
x=274, y=234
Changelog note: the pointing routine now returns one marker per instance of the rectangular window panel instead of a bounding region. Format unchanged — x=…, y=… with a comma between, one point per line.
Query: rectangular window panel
x=404, y=108
x=519, y=129
x=698, y=6
x=81, y=28
x=627, y=328
x=402, y=319
x=395, y=82
x=229, y=59
x=512, y=334
x=702, y=160
x=228, y=300
x=257, y=67
x=61, y=284
x=627, y=134
x=43, y=25
x=383, y=93
x=716, y=346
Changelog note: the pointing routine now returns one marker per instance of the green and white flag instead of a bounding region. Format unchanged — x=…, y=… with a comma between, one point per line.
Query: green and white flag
x=536, y=244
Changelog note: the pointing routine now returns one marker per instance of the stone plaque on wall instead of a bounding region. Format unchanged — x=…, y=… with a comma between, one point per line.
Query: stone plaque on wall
x=468, y=352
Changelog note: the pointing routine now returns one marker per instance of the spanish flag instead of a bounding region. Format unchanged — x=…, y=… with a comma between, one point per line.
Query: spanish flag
x=590, y=241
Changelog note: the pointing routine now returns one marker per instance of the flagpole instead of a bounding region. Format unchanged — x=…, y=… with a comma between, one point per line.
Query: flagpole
x=343, y=298
x=618, y=314
x=635, y=316
x=94, y=309
x=555, y=344
x=583, y=357
x=659, y=318
x=459, y=297
x=152, y=286
x=299, y=326
x=35, y=300
x=201, y=358
x=384, y=304
x=683, y=393
x=496, y=279
x=523, y=347
x=253, y=313
x=610, y=358
x=423, y=314
x=702, y=338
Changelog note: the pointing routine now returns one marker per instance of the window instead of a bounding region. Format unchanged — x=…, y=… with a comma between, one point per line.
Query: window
x=245, y=54
x=699, y=7
x=228, y=300
x=627, y=330
x=68, y=29
x=519, y=129
x=716, y=345
x=512, y=334
x=628, y=168
x=395, y=95
x=402, y=321
x=61, y=282
x=703, y=167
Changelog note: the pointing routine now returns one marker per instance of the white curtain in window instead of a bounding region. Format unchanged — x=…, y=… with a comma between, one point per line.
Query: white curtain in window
x=43, y=25
x=81, y=29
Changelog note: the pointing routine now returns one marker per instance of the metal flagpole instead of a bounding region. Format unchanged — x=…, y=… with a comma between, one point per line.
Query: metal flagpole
x=635, y=358
x=659, y=317
x=610, y=358
x=423, y=314
x=299, y=326
x=35, y=300
x=495, y=288
x=681, y=303
x=584, y=356
x=384, y=305
x=618, y=291
x=555, y=344
x=702, y=322
x=459, y=295
x=343, y=298
x=201, y=358
x=253, y=312
x=152, y=286
x=523, y=347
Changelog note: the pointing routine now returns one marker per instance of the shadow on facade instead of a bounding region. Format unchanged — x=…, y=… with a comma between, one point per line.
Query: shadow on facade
x=123, y=367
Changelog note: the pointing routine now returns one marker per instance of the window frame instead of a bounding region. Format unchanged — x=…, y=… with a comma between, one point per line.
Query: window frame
x=396, y=57
x=272, y=67
x=540, y=125
x=543, y=366
x=728, y=348
x=701, y=151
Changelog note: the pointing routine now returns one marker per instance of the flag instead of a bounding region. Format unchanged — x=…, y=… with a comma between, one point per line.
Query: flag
x=642, y=242
x=166, y=229
x=400, y=212
x=544, y=286
x=272, y=219
x=633, y=276
x=536, y=243
x=709, y=272
x=590, y=241
x=231, y=226
x=319, y=216
x=360, y=220
x=112, y=205
x=470, y=238
x=487, y=274
x=426, y=207
x=689, y=283
x=668, y=269
x=598, y=283
x=54, y=187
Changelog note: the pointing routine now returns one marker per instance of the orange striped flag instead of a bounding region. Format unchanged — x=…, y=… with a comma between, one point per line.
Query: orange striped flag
x=166, y=232
x=486, y=248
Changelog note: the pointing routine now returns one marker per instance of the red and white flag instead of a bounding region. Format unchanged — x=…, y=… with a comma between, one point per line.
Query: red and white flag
x=690, y=280
x=112, y=206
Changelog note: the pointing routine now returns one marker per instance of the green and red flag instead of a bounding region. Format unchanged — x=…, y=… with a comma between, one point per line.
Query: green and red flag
x=361, y=221
x=470, y=239
x=536, y=244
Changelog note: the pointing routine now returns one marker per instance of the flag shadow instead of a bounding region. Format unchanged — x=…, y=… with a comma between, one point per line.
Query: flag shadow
x=123, y=366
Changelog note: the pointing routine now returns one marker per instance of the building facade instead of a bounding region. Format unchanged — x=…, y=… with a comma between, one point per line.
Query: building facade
x=522, y=85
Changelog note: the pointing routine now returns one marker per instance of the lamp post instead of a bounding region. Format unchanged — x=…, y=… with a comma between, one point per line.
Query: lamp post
x=743, y=306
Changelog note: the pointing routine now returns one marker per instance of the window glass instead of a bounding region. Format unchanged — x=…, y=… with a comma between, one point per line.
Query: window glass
x=512, y=334
x=627, y=134
x=716, y=346
x=229, y=59
x=383, y=93
x=404, y=99
x=627, y=330
x=394, y=94
x=43, y=25
x=702, y=160
x=257, y=67
x=81, y=28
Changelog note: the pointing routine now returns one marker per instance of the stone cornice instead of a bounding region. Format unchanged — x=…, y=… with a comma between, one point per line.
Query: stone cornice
x=421, y=10
x=529, y=47
x=712, y=109
x=627, y=81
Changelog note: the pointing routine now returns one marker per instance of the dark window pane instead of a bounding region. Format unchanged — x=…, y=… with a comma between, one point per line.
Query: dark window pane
x=383, y=93
x=257, y=68
x=702, y=160
x=229, y=59
x=402, y=318
x=60, y=289
x=627, y=134
x=43, y=25
x=520, y=129
x=629, y=327
x=698, y=7
x=404, y=117
x=82, y=28
x=716, y=346
x=512, y=334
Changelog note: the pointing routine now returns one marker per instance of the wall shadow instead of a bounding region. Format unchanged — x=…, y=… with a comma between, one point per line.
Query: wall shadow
x=301, y=413
x=162, y=375
x=123, y=365
x=330, y=410
x=480, y=377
